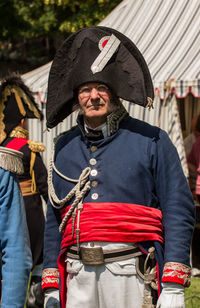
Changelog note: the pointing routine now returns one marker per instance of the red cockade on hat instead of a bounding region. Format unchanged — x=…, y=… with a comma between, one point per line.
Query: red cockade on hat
x=103, y=42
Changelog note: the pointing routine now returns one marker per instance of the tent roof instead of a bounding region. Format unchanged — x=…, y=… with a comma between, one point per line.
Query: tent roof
x=167, y=32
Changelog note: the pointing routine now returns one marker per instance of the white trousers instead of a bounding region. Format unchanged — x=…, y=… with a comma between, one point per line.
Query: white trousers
x=112, y=285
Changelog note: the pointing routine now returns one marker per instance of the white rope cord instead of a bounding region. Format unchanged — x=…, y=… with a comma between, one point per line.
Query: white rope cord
x=78, y=191
x=77, y=203
x=62, y=175
x=80, y=207
x=51, y=192
x=73, y=221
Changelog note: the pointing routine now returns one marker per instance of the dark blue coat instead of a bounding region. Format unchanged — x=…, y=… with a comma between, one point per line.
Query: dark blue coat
x=137, y=164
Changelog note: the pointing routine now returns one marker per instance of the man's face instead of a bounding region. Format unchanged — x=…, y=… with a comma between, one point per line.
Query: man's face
x=94, y=100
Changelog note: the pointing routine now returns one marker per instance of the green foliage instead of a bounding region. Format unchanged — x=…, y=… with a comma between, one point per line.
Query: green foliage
x=192, y=296
x=32, y=30
x=73, y=15
x=85, y=14
x=11, y=22
x=40, y=18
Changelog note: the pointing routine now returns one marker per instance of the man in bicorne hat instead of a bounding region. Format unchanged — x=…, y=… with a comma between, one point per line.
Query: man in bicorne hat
x=15, y=246
x=120, y=214
x=17, y=104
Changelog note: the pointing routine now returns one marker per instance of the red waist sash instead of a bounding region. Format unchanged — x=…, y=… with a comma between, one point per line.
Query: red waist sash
x=115, y=222
x=112, y=222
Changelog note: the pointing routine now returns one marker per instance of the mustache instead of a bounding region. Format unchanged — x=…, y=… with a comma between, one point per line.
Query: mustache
x=95, y=103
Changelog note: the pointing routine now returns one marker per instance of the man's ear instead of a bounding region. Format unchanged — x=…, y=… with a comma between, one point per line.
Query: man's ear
x=22, y=123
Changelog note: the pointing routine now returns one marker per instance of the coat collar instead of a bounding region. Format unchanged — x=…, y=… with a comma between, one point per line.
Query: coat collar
x=112, y=123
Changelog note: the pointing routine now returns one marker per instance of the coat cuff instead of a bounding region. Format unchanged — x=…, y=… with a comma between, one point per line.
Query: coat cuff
x=177, y=273
x=50, y=278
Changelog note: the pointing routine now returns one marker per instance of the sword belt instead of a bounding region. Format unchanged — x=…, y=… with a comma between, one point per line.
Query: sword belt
x=26, y=188
x=98, y=256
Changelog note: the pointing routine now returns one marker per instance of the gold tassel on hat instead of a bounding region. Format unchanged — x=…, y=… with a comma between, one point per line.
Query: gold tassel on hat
x=150, y=103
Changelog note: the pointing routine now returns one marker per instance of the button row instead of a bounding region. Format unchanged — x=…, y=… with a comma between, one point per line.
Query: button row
x=93, y=172
x=93, y=148
x=94, y=184
x=94, y=196
x=92, y=161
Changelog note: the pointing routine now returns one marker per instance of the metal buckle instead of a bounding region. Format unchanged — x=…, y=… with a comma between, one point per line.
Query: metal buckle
x=92, y=256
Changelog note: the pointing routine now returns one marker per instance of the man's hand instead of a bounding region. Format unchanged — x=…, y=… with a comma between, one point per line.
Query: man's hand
x=51, y=298
x=172, y=296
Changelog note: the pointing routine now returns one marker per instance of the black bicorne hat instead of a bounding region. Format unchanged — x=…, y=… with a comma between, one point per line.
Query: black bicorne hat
x=16, y=103
x=96, y=54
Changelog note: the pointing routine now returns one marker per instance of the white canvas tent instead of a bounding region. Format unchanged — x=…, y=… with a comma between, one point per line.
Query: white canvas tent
x=167, y=32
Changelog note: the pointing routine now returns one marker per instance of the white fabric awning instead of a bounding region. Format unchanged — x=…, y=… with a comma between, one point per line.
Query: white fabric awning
x=167, y=32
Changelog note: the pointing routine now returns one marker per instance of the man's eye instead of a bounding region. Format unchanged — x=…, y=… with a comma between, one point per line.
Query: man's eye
x=102, y=88
x=85, y=90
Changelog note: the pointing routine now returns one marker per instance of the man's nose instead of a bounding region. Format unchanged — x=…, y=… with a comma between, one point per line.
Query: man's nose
x=94, y=93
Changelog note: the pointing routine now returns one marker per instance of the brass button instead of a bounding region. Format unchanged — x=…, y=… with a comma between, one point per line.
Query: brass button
x=94, y=184
x=93, y=161
x=93, y=148
x=91, y=244
x=93, y=172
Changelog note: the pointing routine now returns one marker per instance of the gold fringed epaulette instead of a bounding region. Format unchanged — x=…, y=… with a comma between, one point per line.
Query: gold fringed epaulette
x=36, y=146
x=11, y=160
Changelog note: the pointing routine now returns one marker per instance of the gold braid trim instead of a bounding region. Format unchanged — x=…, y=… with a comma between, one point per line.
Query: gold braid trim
x=36, y=146
x=2, y=125
x=27, y=101
x=26, y=188
x=19, y=95
x=168, y=88
x=17, y=91
x=19, y=101
x=19, y=132
x=50, y=278
x=114, y=119
x=177, y=272
x=32, y=172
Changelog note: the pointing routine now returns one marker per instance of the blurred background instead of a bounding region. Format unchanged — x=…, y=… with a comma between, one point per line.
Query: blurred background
x=30, y=31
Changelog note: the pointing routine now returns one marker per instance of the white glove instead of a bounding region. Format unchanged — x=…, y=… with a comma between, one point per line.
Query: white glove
x=51, y=298
x=172, y=296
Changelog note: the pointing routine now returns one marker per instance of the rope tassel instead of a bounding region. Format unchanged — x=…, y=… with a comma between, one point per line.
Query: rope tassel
x=79, y=191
